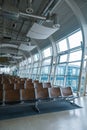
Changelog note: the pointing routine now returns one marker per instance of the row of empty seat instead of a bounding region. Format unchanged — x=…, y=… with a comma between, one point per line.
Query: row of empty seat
x=21, y=91
x=14, y=79
x=22, y=86
x=36, y=95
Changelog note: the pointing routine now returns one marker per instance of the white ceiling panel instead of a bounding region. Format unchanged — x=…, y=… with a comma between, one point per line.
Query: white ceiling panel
x=26, y=47
x=40, y=32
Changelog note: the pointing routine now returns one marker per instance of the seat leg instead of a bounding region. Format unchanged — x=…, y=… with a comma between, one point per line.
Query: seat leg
x=36, y=109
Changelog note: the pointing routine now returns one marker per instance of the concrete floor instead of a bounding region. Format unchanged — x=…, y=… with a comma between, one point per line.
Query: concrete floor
x=66, y=120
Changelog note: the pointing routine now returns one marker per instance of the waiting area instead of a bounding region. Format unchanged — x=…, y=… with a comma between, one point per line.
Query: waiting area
x=19, y=91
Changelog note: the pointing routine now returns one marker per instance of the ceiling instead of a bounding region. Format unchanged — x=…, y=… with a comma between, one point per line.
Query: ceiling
x=18, y=16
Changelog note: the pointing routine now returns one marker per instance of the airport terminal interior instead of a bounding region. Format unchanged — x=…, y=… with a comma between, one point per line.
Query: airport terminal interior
x=43, y=60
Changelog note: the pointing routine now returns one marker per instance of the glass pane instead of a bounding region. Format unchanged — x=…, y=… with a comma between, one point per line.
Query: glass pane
x=75, y=39
x=36, y=64
x=46, y=62
x=73, y=75
x=38, y=70
x=76, y=64
x=34, y=70
x=52, y=71
x=62, y=45
x=47, y=52
x=85, y=57
x=5, y=70
x=60, y=70
x=45, y=70
x=29, y=65
x=44, y=78
x=33, y=76
x=25, y=62
x=73, y=70
x=36, y=57
x=74, y=56
x=59, y=81
x=63, y=58
x=29, y=60
x=72, y=81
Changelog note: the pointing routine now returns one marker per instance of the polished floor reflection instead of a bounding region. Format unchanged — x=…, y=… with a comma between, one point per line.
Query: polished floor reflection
x=65, y=120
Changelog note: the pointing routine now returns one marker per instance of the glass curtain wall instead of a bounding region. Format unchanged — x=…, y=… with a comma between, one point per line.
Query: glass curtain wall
x=69, y=54
x=4, y=70
x=69, y=61
x=29, y=64
x=35, y=66
x=25, y=68
x=46, y=64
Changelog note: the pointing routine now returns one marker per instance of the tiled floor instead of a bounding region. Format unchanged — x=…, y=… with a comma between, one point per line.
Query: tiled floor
x=67, y=120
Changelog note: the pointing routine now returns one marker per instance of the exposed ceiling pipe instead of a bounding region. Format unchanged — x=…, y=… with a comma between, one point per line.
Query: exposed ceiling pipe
x=50, y=13
x=46, y=11
x=26, y=15
x=55, y=6
x=47, y=7
x=32, y=16
x=21, y=14
x=52, y=16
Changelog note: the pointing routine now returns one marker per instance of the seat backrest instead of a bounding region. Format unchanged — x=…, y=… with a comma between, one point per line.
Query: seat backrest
x=54, y=92
x=28, y=94
x=22, y=81
x=12, y=95
x=1, y=95
x=1, y=86
x=6, y=80
x=8, y=86
x=29, y=85
x=41, y=93
x=67, y=91
x=38, y=85
x=35, y=81
x=29, y=80
x=19, y=85
x=47, y=85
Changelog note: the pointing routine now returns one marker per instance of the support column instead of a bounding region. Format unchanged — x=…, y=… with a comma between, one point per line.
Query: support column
x=54, y=47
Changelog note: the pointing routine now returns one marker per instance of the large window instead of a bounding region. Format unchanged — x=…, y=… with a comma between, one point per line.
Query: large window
x=45, y=69
x=47, y=52
x=5, y=70
x=35, y=66
x=63, y=58
x=62, y=45
x=46, y=64
x=75, y=39
x=25, y=68
x=69, y=61
x=66, y=67
x=59, y=75
x=36, y=57
x=75, y=56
